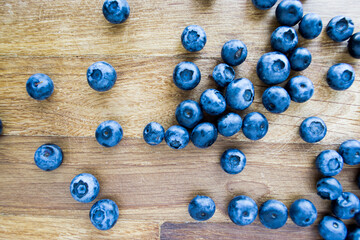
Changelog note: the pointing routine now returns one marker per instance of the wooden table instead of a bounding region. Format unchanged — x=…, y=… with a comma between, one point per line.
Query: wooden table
x=153, y=185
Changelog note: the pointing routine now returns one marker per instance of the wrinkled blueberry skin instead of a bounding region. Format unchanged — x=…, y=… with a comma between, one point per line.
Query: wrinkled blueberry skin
x=273, y=214
x=48, y=157
x=264, y=4
x=303, y=212
x=212, y=102
x=84, y=188
x=340, y=76
x=240, y=94
x=289, y=12
x=284, y=39
x=354, y=45
x=193, y=38
x=177, y=137
x=186, y=75
x=255, y=126
x=201, y=208
x=39, y=86
x=223, y=74
x=310, y=26
x=229, y=124
x=329, y=163
x=354, y=234
x=204, y=135
x=329, y=188
x=242, y=210
x=300, y=59
x=340, y=28
x=153, y=133
x=350, y=151
x=276, y=99
x=313, y=129
x=234, y=52
x=1, y=127
x=300, y=89
x=104, y=214
x=101, y=76
x=233, y=161
x=116, y=11
x=331, y=228
x=273, y=68
x=345, y=206
x=109, y=133
x=188, y=113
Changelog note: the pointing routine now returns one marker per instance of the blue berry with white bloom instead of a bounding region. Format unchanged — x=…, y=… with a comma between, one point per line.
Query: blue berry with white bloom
x=350, y=151
x=310, y=26
x=48, y=157
x=284, y=39
x=153, y=133
x=101, y=76
x=300, y=89
x=177, y=137
x=234, y=52
x=201, y=208
x=276, y=99
x=193, y=38
x=329, y=163
x=273, y=214
x=303, y=212
x=229, y=124
x=104, y=214
x=340, y=28
x=109, y=133
x=255, y=126
x=329, y=188
x=300, y=59
x=233, y=161
x=212, y=102
x=39, y=86
x=331, y=228
x=84, y=187
x=340, y=76
x=223, y=74
x=240, y=94
x=264, y=4
x=345, y=206
x=313, y=129
x=273, y=68
x=186, y=75
x=188, y=113
x=289, y=12
x=116, y=11
x=242, y=210
x=204, y=135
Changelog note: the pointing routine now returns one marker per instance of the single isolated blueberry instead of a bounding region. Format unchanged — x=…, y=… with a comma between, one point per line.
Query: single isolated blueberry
x=204, y=135
x=255, y=126
x=300, y=59
x=300, y=89
x=273, y=214
x=329, y=163
x=1, y=127
x=242, y=210
x=303, y=212
x=276, y=99
x=350, y=151
x=284, y=39
x=340, y=28
x=116, y=11
x=233, y=161
x=264, y=4
x=84, y=188
x=313, y=129
x=289, y=12
x=101, y=76
x=329, y=188
x=177, y=137
x=353, y=234
x=109, y=133
x=273, y=68
x=188, y=113
x=39, y=86
x=331, y=228
x=48, y=157
x=229, y=124
x=193, y=38
x=104, y=214
x=186, y=75
x=153, y=133
x=354, y=45
x=345, y=206
x=212, y=102
x=340, y=76
x=201, y=208
x=310, y=26
x=240, y=94
x=223, y=74
x=234, y=52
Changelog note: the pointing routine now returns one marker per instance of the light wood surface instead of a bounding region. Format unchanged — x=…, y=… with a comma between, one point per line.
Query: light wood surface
x=153, y=185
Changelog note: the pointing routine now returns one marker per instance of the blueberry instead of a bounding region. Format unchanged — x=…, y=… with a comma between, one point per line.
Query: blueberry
x=223, y=74
x=289, y=12
x=1, y=127
x=264, y=4
x=354, y=234
x=201, y=208
x=255, y=126
x=300, y=89
x=303, y=212
x=340, y=76
x=101, y=76
x=109, y=133
x=329, y=188
x=233, y=161
x=212, y=102
x=188, y=113
x=354, y=45
x=331, y=228
x=300, y=59
x=329, y=163
x=186, y=75
x=177, y=137
x=242, y=210
x=84, y=188
x=240, y=94
x=153, y=133
x=193, y=38
x=310, y=26
x=350, y=151
x=104, y=214
x=116, y=11
x=39, y=86
x=345, y=206
x=204, y=135
x=273, y=68
x=284, y=39
x=234, y=52
x=273, y=214
x=340, y=28
x=313, y=129
x=276, y=99
x=229, y=124
x=48, y=157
